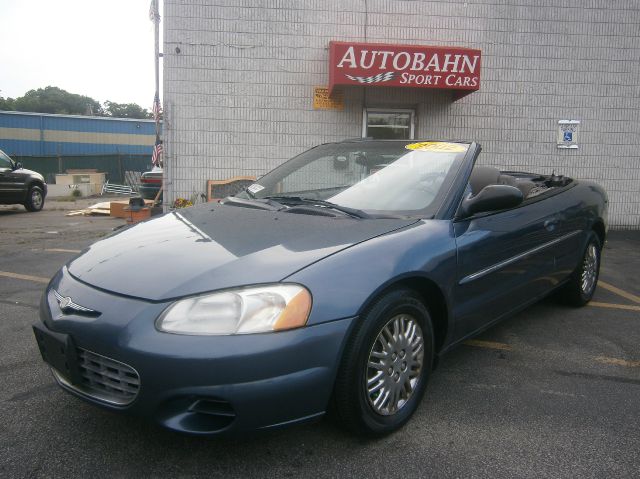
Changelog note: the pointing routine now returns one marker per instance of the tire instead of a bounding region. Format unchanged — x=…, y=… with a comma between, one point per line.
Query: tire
x=582, y=285
x=378, y=387
x=35, y=199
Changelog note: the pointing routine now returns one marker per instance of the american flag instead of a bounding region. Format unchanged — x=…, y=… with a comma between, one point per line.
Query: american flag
x=157, y=108
x=156, y=157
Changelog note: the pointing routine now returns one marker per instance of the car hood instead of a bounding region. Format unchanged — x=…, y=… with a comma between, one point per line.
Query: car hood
x=212, y=247
x=25, y=171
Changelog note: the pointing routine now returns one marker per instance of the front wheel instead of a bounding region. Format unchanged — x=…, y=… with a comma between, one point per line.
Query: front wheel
x=35, y=199
x=386, y=364
x=582, y=285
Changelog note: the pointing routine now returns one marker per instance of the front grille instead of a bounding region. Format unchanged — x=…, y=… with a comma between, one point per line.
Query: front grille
x=104, y=379
x=108, y=377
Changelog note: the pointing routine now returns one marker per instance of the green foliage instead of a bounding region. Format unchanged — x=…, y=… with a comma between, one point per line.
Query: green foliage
x=125, y=110
x=182, y=203
x=52, y=99
x=76, y=193
x=56, y=100
x=6, y=104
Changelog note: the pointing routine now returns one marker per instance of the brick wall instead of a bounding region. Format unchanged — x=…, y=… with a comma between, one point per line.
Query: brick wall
x=238, y=95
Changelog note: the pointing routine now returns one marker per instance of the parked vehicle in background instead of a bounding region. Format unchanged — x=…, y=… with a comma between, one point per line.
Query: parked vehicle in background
x=150, y=183
x=20, y=186
x=338, y=278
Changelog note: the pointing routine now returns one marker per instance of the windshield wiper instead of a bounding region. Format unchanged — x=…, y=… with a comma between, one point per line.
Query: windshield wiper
x=298, y=200
x=257, y=204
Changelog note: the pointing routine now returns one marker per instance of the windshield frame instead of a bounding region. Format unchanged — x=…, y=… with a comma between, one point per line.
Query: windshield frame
x=457, y=188
x=441, y=200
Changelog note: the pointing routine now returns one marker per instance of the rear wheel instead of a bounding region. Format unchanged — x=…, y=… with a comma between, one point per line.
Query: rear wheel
x=386, y=365
x=582, y=285
x=35, y=199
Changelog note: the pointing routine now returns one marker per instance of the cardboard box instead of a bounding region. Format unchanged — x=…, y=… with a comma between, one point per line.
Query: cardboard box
x=118, y=208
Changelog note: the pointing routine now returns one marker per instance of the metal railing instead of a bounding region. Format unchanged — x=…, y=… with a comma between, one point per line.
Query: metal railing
x=116, y=189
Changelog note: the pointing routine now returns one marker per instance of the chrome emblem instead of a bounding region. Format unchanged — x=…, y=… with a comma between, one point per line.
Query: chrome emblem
x=66, y=303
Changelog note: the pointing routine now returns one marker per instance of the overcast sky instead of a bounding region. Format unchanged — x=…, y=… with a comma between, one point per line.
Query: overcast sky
x=99, y=48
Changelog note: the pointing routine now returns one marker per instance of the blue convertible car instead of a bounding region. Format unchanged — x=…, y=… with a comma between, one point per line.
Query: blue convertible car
x=338, y=278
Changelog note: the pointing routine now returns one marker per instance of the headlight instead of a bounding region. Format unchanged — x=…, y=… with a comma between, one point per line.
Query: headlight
x=248, y=310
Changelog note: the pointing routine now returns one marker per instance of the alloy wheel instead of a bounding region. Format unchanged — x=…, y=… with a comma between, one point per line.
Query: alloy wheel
x=36, y=199
x=394, y=365
x=589, y=269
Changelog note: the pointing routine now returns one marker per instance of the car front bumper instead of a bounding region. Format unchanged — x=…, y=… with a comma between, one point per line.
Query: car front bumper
x=192, y=384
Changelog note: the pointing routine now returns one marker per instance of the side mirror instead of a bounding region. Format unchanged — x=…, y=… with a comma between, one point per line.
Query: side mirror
x=491, y=198
x=18, y=166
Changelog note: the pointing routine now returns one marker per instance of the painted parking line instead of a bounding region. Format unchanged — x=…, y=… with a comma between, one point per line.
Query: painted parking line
x=627, y=307
x=487, y=344
x=57, y=250
x=618, y=362
x=26, y=277
x=627, y=363
x=619, y=292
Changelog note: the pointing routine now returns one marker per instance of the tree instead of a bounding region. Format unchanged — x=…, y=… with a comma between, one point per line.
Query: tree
x=52, y=99
x=6, y=104
x=56, y=100
x=125, y=110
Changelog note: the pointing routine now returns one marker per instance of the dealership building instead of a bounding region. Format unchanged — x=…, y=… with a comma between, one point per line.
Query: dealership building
x=542, y=85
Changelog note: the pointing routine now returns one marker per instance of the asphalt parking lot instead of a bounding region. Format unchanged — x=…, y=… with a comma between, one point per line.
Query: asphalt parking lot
x=551, y=392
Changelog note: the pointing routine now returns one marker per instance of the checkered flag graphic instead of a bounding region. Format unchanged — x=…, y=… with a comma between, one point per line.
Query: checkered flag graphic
x=379, y=78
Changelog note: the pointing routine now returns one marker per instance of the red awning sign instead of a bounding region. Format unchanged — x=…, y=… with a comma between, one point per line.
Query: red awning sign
x=414, y=66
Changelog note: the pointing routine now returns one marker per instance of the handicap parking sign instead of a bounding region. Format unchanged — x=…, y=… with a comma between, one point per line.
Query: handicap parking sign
x=568, y=133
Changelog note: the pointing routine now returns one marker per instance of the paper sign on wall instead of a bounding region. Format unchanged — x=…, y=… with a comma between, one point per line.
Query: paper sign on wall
x=568, y=133
x=322, y=100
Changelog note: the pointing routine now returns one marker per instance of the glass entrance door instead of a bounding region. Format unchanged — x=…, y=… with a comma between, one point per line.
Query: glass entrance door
x=388, y=124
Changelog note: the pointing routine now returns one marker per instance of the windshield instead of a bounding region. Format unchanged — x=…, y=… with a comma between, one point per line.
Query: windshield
x=378, y=177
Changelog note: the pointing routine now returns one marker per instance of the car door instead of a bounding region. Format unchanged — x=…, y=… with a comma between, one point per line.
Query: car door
x=7, y=181
x=569, y=225
x=505, y=260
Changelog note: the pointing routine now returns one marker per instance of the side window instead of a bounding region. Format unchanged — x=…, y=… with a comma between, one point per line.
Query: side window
x=5, y=161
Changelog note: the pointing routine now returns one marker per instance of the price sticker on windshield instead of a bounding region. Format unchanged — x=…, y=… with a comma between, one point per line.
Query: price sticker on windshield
x=254, y=188
x=440, y=146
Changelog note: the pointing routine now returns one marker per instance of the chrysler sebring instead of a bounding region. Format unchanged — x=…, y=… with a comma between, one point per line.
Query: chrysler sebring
x=339, y=278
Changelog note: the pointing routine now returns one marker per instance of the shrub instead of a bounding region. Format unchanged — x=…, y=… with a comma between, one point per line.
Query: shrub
x=182, y=203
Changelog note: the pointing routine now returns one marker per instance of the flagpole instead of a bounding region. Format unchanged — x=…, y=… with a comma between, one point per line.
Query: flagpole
x=156, y=26
x=156, y=158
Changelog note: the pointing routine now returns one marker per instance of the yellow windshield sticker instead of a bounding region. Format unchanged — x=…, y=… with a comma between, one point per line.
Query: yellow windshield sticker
x=440, y=146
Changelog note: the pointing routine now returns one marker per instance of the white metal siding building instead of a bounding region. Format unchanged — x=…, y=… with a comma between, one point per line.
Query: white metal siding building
x=239, y=80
